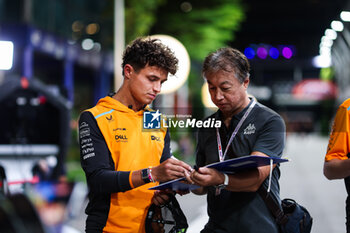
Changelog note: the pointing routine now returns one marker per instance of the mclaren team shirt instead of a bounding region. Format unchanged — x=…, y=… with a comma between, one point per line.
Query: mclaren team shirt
x=339, y=143
x=112, y=145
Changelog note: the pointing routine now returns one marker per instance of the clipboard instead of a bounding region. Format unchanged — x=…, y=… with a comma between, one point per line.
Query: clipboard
x=229, y=166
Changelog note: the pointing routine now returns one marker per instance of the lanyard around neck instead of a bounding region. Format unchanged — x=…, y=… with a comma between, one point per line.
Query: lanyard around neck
x=221, y=155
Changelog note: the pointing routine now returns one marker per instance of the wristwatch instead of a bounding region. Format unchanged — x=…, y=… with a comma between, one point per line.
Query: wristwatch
x=224, y=185
x=145, y=176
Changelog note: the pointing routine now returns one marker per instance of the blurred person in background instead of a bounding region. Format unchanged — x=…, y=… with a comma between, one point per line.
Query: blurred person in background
x=248, y=128
x=337, y=163
x=120, y=159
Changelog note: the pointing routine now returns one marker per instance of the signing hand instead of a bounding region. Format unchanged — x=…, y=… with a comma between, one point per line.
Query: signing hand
x=207, y=177
x=170, y=169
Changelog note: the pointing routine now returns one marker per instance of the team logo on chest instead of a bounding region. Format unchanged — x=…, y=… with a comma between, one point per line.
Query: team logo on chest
x=250, y=129
x=110, y=118
x=155, y=138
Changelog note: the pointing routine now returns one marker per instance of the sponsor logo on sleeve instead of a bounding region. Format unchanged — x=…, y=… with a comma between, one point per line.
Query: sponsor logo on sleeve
x=88, y=156
x=84, y=133
x=83, y=125
x=86, y=145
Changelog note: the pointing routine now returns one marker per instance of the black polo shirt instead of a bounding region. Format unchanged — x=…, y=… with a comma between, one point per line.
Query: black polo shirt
x=242, y=212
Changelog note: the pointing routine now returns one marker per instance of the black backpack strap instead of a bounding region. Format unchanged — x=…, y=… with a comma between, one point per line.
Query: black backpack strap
x=273, y=206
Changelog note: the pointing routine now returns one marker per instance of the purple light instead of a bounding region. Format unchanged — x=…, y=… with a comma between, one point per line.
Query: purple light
x=249, y=53
x=287, y=52
x=274, y=53
x=261, y=52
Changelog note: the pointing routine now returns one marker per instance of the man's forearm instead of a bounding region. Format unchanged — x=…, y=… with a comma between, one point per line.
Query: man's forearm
x=336, y=169
x=249, y=181
x=200, y=191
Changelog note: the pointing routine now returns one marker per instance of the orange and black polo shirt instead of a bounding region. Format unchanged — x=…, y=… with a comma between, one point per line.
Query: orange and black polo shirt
x=112, y=144
x=339, y=145
x=339, y=141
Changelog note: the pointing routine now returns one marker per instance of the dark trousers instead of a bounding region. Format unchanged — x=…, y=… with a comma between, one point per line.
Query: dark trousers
x=347, y=214
x=347, y=208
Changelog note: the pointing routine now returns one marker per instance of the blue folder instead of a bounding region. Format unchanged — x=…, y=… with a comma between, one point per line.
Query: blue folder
x=230, y=166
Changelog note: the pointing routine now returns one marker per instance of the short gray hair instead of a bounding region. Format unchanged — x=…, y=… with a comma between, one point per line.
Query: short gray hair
x=228, y=60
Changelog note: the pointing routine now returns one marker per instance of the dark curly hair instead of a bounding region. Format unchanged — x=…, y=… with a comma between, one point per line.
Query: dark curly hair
x=228, y=60
x=147, y=51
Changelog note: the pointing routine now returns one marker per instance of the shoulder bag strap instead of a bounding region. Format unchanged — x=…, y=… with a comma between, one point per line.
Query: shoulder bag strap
x=273, y=206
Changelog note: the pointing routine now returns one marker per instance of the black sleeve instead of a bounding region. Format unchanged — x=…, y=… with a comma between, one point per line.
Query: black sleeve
x=200, y=159
x=166, y=150
x=271, y=139
x=96, y=159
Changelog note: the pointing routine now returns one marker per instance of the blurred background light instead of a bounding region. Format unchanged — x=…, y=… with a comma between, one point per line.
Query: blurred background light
x=174, y=82
x=71, y=42
x=206, y=99
x=77, y=26
x=287, y=52
x=186, y=7
x=325, y=41
x=249, y=52
x=6, y=55
x=331, y=34
x=337, y=26
x=35, y=37
x=49, y=44
x=345, y=16
x=97, y=47
x=322, y=61
x=274, y=53
x=262, y=52
x=59, y=52
x=87, y=44
x=92, y=28
x=325, y=51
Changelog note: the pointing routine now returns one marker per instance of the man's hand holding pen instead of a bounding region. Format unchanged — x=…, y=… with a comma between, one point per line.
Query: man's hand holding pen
x=203, y=176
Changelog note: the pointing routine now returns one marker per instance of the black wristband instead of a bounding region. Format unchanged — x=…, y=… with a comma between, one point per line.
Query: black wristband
x=144, y=175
